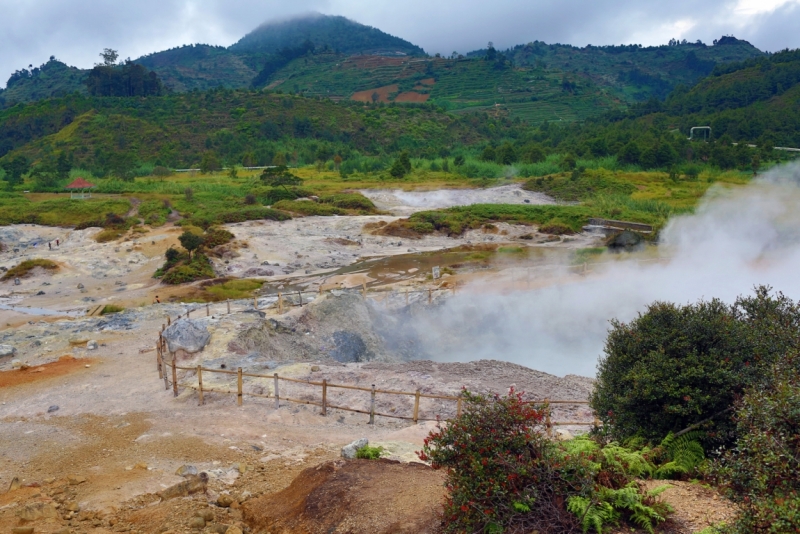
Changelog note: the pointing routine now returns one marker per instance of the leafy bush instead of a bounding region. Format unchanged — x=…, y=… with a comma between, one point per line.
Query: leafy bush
x=215, y=237
x=762, y=473
x=368, y=452
x=188, y=270
x=24, y=269
x=505, y=475
x=676, y=366
x=502, y=471
x=108, y=235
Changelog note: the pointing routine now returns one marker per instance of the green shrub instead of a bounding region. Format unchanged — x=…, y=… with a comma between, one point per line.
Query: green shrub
x=504, y=474
x=110, y=308
x=368, y=452
x=215, y=237
x=24, y=269
x=186, y=270
x=108, y=235
x=762, y=474
x=233, y=289
x=675, y=366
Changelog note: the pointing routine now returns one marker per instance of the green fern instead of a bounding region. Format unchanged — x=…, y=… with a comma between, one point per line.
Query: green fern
x=685, y=454
x=593, y=515
x=626, y=462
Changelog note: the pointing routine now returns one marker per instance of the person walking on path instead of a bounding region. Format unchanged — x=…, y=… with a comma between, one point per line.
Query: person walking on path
x=49, y=245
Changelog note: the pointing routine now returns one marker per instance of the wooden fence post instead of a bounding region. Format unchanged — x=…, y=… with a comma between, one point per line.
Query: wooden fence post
x=255, y=303
x=187, y=313
x=458, y=407
x=547, y=423
x=416, y=406
x=596, y=421
x=364, y=285
x=300, y=296
x=200, y=385
x=228, y=302
x=166, y=380
x=158, y=357
x=372, y=406
x=208, y=310
x=277, y=393
x=169, y=321
x=280, y=302
x=324, y=396
x=174, y=377
x=430, y=295
x=239, y=384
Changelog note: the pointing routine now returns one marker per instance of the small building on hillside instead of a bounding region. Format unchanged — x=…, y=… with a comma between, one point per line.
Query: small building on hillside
x=80, y=189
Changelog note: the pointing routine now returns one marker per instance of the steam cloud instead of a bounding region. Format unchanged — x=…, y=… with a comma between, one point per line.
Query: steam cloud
x=735, y=240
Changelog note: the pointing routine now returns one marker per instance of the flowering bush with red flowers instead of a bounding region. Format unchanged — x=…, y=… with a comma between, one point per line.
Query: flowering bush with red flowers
x=504, y=474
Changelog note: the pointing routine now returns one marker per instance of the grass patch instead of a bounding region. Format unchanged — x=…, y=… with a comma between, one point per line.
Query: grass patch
x=181, y=269
x=309, y=208
x=367, y=452
x=109, y=234
x=232, y=289
x=110, y=308
x=511, y=250
x=56, y=210
x=579, y=185
x=24, y=269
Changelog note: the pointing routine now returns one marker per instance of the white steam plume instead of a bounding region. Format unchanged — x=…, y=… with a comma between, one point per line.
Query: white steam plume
x=735, y=240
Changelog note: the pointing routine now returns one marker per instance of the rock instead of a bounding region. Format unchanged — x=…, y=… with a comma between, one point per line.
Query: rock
x=207, y=515
x=197, y=523
x=624, y=239
x=233, y=529
x=91, y=345
x=74, y=480
x=349, y=451
x=17, y=281
x=7, y=350
x=73, y=506
x=563, y=434
x=141, y=465
x=258, y=271
x=186, y=470
x=53, y=408
x=16, y=364
x=35, y=511
x=15, y=485
x=242, y=467
x=224, y=501
x=193, y=484
x=80, y=286
x=315, y=368
x=187, y=335
x=22, y=530
x=40, y=293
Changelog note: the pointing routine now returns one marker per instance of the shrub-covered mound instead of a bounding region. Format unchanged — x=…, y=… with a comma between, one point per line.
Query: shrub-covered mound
x=26, y=267
x=676, y=367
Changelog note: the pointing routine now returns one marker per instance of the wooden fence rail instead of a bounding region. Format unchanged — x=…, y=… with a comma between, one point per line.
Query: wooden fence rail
x=323, y=403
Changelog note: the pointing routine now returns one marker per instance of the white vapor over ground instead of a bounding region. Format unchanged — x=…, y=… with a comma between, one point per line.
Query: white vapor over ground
x=735, y=240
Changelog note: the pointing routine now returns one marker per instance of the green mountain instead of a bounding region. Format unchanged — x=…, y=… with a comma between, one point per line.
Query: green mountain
x=337, y=33
x=53, y=79
x=199, y=67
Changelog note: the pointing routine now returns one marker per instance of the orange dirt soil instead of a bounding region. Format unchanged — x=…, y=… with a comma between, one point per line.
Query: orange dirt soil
x=411, y=96
x=383, y=94
x=64, y=365
x=377, y=496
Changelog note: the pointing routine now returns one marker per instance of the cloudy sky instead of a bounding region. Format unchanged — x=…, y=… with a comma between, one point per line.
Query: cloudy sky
x=75, y=31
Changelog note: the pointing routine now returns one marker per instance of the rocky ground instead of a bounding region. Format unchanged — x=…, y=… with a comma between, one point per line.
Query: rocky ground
x=90, y=440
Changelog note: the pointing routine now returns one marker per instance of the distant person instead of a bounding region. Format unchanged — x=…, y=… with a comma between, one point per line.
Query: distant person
x=158, y=300
x=57, y=242
x=49, y=245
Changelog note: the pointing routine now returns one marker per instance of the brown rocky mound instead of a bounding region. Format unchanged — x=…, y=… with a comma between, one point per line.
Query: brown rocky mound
x=353, y=496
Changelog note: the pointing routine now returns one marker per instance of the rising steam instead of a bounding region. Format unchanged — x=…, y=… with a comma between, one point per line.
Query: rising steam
x=736, y=239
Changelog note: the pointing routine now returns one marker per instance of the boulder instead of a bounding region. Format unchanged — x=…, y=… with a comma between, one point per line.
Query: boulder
x=258, y=271
x=624, y=239
x=188, y=335
x=91, y=345
x=186, y=470
x=7, y=350
x=349, y=451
